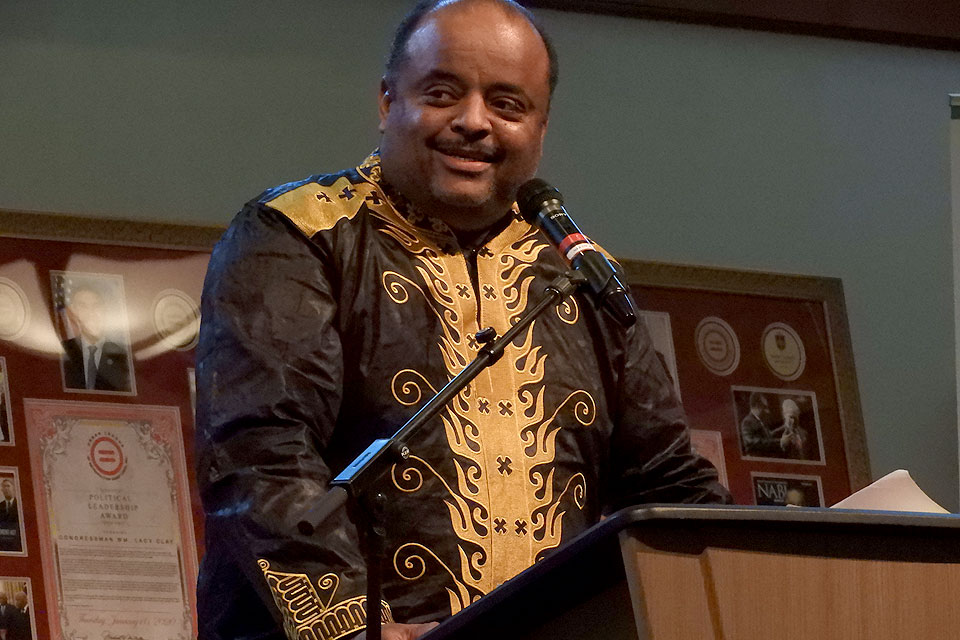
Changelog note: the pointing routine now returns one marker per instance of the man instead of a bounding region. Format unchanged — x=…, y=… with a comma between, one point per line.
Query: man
x=793, y=437
x=19, y=627
x=758, y=439
x=90, y=360
x=4, y=427
x=9, y=517
x=6, y=611
x=335, y=306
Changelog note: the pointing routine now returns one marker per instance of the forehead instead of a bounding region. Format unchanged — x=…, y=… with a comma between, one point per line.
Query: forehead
x=482, y=40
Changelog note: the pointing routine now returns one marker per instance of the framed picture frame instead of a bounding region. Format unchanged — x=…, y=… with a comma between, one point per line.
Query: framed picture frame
x=130, y=291
x=763, y=355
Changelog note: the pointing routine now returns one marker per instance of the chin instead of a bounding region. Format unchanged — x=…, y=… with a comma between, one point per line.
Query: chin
x=469, y=196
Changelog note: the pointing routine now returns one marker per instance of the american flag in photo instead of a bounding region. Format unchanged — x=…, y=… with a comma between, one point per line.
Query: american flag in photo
x=62, y=290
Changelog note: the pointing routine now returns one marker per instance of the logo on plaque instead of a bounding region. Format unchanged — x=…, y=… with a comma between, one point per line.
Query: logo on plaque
x=717, y=346
x=106, y=457
x=14, y=312
x=176, y=319
x=783, y=351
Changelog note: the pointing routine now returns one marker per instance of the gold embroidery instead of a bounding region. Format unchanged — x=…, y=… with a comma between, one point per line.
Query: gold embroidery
x=309, y=615
x=411, y=565
x=313, y=207
x=569, y=310
x=502, y=506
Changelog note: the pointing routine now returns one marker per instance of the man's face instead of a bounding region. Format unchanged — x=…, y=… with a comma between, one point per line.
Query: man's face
x=86, y=307
x=7, y=487
x=464, y=119
x=20, y=599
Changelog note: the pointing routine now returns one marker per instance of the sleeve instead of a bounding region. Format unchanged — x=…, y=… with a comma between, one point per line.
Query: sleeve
x=651, y=459
x=269, y=369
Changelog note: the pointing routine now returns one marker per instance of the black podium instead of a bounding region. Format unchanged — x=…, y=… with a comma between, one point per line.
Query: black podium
x=734, y=573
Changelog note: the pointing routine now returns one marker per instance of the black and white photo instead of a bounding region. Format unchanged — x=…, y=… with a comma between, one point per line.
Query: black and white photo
x=778, y=424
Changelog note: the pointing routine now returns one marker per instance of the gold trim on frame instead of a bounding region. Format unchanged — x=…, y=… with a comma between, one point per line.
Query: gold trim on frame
x=54, y=226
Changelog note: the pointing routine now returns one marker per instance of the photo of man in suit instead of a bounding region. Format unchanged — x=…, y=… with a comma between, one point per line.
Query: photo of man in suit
x=90, y=360
x=6, y=613
x=4, y=421
x=15, y=623
x=9, y=517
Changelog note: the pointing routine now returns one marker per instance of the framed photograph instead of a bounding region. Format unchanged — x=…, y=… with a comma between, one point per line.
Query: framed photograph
x=778, y=424
x=782, y=340
x=12, y=538
x=6, y=414
x=658, y=325
x=709, y=444
x=16, y=608
x=94, y=334
x=787, y=490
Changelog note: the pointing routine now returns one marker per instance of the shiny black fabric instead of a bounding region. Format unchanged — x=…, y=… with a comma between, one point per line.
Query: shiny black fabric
x=328, y=318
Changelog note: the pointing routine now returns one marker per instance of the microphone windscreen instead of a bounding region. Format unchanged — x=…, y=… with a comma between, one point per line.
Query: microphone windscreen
x=531, y=196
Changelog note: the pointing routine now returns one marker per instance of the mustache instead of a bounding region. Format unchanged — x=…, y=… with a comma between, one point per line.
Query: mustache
x=482, y=152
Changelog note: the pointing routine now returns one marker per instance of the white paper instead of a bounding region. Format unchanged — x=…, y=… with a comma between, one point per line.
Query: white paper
x=895, y=491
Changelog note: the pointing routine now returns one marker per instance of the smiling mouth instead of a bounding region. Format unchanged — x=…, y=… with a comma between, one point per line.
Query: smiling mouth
x=467, y=154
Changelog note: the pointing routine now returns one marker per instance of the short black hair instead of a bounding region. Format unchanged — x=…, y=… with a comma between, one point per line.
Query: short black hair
x=413, y=19
x=758, y=400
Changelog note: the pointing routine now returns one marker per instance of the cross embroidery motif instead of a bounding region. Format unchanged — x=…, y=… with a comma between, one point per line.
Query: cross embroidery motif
x=485, y=252
x=500, y=525
x=489, y=293
x=346, y=194
x=472, y=342
x=463, y=291
x=374, y=197
x=506, y=408
x=521, y=527
x=322, y=197
x=504, y=462
x=483, y=405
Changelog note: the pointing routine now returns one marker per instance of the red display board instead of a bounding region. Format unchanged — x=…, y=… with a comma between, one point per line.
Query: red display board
x=764, y=367
x=121, y=414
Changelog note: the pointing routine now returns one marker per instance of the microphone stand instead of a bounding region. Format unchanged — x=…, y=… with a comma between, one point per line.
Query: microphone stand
x=356, y=484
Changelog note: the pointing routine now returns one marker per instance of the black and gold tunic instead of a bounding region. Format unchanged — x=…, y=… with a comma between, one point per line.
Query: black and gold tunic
x=330, y=314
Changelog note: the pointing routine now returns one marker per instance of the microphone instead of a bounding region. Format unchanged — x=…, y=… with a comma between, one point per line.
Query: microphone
x=542, y=205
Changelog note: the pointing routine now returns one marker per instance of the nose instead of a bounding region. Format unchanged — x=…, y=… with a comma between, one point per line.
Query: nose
x=472, y=120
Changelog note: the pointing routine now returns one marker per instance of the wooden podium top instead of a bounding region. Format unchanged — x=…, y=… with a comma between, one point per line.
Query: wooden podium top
x=587, y=568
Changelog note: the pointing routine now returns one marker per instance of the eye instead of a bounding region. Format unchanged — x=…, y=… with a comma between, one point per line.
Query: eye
x=439, y=95
x=508, y=107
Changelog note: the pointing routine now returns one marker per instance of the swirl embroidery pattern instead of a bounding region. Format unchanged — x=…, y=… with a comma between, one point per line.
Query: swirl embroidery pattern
x=503, y=505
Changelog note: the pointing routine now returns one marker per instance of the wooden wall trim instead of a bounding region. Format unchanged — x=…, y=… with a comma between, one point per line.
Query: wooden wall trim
x=930, y=24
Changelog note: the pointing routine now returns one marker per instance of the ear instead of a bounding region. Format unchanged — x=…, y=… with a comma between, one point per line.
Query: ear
x=383, y=103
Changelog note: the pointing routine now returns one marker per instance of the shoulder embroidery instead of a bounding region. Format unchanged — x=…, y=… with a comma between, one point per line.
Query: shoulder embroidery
x=312, y=615
x=315, y=207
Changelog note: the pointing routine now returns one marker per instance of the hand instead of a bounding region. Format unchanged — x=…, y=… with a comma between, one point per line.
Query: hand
x=397, y=631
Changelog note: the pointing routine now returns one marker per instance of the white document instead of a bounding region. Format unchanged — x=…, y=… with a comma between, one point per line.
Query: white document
x=895, y=491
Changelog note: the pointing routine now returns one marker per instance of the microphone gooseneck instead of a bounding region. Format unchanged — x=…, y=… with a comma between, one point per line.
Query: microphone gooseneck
x=542, y=205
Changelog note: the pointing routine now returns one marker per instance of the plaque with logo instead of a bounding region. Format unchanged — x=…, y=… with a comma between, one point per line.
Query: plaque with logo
x=116, y=532
x=764, y=363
